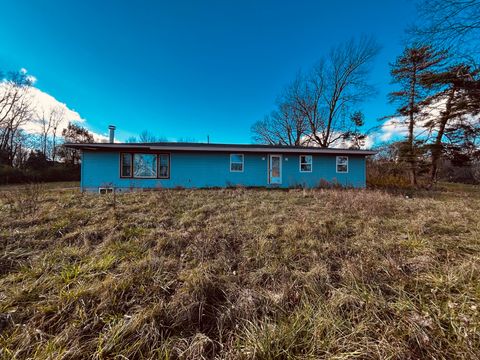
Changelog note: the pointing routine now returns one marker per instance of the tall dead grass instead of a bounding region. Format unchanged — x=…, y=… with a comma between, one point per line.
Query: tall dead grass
x=241, y=274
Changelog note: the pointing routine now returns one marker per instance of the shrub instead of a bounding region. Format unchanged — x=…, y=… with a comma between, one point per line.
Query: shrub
x=387, y=175
x=334, y=184
x=10, y=175
x=56, y=172
x=467, y=174
x=26, y=200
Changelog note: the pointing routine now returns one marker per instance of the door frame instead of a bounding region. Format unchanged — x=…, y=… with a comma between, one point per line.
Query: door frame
x=269, y=168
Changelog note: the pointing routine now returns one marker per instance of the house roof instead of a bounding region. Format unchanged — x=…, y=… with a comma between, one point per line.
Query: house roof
x=204, y=147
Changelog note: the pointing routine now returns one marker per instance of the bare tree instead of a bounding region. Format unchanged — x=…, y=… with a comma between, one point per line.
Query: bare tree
x=182, y=140
x=452, y=24
x=50, y=120
x=284, y=126
x=15, y=111
x=20, y=147
x=57, y=119
x=147, y=137
x=320, y=103
x=336, y=84
x=45, y=125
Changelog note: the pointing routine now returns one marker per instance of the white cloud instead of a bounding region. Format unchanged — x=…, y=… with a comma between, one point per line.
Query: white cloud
x=30, y=78
x=341, y=143
x=392, y=129
x=43, y=104
x=396, y=128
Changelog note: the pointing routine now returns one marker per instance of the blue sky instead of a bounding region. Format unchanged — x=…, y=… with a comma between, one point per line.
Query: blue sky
x=188, y=69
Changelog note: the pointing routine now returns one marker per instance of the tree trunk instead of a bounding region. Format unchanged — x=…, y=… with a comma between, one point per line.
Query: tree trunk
x=411, y=126
x=437, y=145
x=44, y=145
x=53, y=146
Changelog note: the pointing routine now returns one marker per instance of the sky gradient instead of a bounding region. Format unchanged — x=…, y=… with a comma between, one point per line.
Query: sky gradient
x=188, y=69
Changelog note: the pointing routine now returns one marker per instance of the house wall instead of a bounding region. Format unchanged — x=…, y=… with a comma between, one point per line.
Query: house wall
x=212, y=169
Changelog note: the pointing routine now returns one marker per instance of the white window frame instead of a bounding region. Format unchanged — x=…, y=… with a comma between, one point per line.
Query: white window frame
x=236, y=162
x=336, y=164
x=300, y=164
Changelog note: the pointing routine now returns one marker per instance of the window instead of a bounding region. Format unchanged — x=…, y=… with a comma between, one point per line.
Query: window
x=144, y=166
x=164, y=166
x=126, y=168
x=342, y=164
x=305, y=163
x=236, y=162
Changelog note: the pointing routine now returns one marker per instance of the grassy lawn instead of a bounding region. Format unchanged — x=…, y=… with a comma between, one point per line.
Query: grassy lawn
x=240, y=274
x=46, y=186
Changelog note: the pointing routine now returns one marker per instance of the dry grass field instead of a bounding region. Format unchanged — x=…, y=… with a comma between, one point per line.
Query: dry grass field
x=240, y=274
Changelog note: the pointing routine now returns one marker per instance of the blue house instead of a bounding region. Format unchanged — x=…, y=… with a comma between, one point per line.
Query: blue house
x=107, y=167
x=131, y=166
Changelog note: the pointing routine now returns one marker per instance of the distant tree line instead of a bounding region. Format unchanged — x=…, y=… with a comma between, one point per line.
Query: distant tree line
x=437, y=98
x=39, y=156
x=147, y=137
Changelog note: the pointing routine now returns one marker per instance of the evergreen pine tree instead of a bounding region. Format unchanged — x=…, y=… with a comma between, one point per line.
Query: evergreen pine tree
x=408, y=71
x=458, y=95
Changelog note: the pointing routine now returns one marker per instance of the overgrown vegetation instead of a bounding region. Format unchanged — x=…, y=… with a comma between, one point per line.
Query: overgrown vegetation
x=240, y=274
x=50, y=173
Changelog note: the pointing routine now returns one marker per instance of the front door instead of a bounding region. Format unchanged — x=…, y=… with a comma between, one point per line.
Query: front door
x=275, y=169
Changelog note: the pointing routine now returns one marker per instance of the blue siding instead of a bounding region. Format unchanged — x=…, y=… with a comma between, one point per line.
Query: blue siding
x=208, y=169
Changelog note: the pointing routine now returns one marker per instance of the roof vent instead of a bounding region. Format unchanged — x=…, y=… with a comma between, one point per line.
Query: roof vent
x=111, y=139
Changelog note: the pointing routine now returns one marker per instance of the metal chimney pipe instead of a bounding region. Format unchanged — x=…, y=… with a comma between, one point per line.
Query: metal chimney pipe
x=112, y=133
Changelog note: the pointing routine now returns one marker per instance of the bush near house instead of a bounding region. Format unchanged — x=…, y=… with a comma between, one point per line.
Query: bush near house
x=240, y=274
x=387, y=175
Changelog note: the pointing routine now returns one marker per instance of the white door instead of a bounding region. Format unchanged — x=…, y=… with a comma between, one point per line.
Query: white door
x=275, y=169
